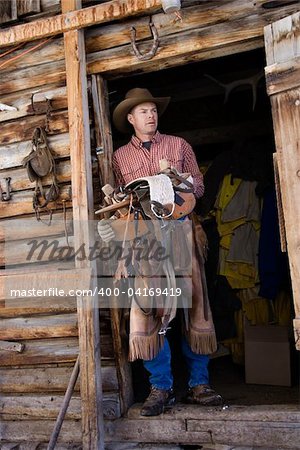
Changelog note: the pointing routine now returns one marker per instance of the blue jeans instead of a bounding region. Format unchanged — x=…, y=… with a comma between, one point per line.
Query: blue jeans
x=160, y=367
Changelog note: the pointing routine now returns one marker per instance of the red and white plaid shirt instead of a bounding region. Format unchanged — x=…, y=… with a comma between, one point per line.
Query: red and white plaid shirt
x=133, y=161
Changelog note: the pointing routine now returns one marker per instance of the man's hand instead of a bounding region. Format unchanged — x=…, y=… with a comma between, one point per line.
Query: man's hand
x=105, y=230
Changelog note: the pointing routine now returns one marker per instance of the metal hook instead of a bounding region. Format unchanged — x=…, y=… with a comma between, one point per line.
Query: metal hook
x=152, y=52
x=6, y=196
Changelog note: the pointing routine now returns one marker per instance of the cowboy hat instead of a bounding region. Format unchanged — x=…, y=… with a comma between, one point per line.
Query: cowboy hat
x=133, y=98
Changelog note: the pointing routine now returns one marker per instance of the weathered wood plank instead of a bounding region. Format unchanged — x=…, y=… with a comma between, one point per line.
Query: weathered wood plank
x=283, y=76
x=269, y=434
x=48, y=351
x=118, y=34
x=253, y=413
x=154, y=430
x=33, y=77
x=55, y=71
x=29, y=228
x=284, y=50
x=21, y=182
x=43, y=282
x=23, y=129
x=23, y=103
x=82, y=190
x=8, y=11
x=40, y=327
x=39, y=431
x=25, y=7
x=114, y=10
x=286, y=39
x=28, y=307
x=48, y=379
x=21, y=203
x=192, y=45
x=11, y=155
x=11, y=346
x=29, y=407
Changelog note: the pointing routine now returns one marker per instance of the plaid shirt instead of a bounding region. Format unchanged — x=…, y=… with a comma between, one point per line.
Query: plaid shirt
x=133, y=161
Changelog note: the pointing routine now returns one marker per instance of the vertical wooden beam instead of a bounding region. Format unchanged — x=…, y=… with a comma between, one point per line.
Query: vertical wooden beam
x=282, y=40
x=82, y=190
x=99, y=86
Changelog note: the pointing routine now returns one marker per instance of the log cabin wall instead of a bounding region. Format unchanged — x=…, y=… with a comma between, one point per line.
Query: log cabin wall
x=32, y=382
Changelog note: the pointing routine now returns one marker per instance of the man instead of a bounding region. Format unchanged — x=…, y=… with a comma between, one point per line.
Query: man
x=139, y=112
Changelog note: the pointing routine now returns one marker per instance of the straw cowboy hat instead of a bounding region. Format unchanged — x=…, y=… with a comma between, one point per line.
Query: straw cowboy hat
x=133, y=98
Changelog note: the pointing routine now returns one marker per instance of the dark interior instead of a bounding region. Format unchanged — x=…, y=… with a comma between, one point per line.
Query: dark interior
x=213, y=127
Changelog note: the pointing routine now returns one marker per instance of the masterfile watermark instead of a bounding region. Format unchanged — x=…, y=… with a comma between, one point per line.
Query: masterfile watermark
x=155, y=264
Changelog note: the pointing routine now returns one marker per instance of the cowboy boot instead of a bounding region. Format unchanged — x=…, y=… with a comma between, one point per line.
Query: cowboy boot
x=203, y=394
x=157, y=401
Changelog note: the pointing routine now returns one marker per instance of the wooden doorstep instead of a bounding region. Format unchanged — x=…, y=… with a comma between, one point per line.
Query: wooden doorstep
x=271, y=426
x=275, y=426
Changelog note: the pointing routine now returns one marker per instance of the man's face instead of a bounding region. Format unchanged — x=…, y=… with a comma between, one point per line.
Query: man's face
x=144, y=118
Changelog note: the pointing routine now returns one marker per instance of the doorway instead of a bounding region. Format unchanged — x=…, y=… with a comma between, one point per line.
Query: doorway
x=220, y=130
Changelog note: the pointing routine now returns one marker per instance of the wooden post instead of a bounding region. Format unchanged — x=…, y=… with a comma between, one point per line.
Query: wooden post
x=120, y=347
x=82, y=191
x=282, y=40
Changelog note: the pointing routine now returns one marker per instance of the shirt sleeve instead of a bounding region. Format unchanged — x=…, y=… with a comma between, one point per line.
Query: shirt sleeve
x=118, y=175
x=190, y=165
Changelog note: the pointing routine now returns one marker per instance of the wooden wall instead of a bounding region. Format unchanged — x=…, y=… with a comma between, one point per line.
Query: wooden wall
x=33, y=381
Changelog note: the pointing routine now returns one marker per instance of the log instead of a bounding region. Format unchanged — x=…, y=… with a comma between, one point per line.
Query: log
x=11, y=155
x=21, y=182
x=30, y=270
x=54, y=350
x=29, y=228
x=25, y=7
x=11, y=346
x=33, y=77
x=118, y=34
x=31, y=407
x=28, y=307
x=8, y=11
x=114, y=10
x=48, y=379
x=61, y=325
x=23, y=103
x=39, y=431
x=21, y=203
x=43, y=282
x=119, y=37
x=23, y=129
x=192, y=45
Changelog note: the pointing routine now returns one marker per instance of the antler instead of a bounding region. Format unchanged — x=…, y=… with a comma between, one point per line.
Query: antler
x=252, y=81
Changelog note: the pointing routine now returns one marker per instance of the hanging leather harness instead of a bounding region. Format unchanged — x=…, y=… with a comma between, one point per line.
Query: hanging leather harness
x=40, y=163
